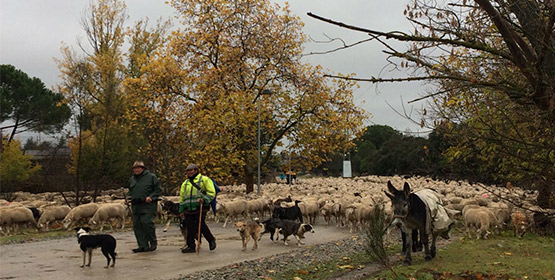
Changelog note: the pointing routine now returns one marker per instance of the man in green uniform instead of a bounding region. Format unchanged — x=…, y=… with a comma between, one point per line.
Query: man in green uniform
x=144, y=189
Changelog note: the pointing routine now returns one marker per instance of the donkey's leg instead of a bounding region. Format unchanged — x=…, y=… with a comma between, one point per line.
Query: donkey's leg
x=434, y=249
x=404, y=241
x=407, y=245
x=416, y=243
x=426, y=241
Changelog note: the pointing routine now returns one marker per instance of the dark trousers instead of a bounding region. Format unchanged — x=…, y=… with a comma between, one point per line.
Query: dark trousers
x=144, y=229
x=191, y=223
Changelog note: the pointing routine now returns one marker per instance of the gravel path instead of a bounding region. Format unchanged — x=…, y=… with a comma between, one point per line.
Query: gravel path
x=266, y=267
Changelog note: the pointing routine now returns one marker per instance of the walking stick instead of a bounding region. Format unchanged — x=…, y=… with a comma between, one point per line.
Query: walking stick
x=199, y=225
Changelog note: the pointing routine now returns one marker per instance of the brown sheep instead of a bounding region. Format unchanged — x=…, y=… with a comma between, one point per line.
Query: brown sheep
x=519, y=224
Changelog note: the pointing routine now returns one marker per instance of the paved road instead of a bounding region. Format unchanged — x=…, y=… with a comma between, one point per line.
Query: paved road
x=61, y=258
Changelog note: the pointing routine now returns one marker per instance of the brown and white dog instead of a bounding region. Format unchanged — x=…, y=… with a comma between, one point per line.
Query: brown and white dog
x=248, y=230
x=288, y=227
x=519, y=223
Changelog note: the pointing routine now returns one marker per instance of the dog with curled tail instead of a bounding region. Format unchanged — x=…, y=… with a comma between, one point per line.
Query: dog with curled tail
x=249, y=229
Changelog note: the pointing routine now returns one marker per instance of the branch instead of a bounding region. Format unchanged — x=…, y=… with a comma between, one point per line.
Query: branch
x=397, y=35
x=509, y=37
x=345, y=46
x=382, y=80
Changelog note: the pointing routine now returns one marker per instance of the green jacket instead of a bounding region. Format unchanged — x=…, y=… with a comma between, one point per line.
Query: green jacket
x=189, y=195
x=141, y=186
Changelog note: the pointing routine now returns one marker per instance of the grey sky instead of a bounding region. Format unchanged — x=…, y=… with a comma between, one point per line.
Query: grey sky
x=32, y=32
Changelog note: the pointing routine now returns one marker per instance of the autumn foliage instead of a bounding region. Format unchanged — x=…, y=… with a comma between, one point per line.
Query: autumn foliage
x=194, y=95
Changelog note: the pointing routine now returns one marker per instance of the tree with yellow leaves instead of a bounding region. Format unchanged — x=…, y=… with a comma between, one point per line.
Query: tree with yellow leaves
x=204, y=88
x=15, y=167
x=92, y=84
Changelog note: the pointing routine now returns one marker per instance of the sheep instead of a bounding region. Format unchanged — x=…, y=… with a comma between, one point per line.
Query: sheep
x=310, y=210
x=503, y=213
x=109, y=211
x=84, y=211
x=479, y=218
x=338, y=211
x=232, y=209
x=256, y=206
x=4, y=202
x=325, y=210
x=356, y=214
x=13, y=216
x=51, y=214
x=519, y=224
x=455, y=200
x=467, y=207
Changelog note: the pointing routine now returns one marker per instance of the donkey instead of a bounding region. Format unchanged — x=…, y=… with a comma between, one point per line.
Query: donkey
x=411, y=211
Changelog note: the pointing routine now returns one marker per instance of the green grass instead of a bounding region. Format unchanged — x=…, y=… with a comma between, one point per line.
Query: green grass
x=500, y=257
x=29, y=235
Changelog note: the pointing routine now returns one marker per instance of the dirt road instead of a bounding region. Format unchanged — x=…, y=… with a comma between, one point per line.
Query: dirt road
x=61, y=258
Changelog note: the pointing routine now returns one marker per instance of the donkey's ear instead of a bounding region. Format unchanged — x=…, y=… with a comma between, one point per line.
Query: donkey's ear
x=406, y=189
x=391, y=188
x=389, y=195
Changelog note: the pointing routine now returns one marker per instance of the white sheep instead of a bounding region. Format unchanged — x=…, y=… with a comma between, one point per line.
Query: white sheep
x=310, y=210
x=81, y=212
x=480, y=218
x=232, y=209
x=338, y=211
x=256, y=207
x=14, y=216
x=325, y=210
x=356, y=214
x=107, y=212
x=51, y=214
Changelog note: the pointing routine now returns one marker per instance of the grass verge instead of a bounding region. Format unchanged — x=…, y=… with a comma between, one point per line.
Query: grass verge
x=500, y=257
x=30, y=235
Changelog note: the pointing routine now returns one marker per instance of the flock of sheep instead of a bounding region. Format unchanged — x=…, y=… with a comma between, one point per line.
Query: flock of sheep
x=339, y=201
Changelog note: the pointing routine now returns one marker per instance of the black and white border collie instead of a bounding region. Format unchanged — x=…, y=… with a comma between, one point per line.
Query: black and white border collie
x=296, y=229
x=88, y=243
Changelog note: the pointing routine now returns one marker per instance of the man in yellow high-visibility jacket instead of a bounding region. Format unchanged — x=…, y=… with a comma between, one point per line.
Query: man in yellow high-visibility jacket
x=194, y=190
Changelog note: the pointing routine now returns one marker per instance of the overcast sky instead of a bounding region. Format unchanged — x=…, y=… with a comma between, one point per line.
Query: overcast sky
x=32, y=32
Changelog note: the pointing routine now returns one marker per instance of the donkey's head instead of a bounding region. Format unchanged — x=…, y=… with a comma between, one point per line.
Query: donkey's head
x=399, y=199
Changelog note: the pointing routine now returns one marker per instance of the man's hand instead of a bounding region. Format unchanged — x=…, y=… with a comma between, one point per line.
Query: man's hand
x=201, y=201
x=148, y=199
x=182, y=215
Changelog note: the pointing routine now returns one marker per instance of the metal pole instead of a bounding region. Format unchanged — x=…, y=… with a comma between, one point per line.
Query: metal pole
x=264, y=92
x=258, y=173
x=289, y=163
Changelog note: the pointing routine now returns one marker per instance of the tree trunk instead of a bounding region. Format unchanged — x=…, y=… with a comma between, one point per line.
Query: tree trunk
x=544, y=195
x=249, y=179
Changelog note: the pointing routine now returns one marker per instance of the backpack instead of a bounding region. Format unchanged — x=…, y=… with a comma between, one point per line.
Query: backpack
x=213, y=202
